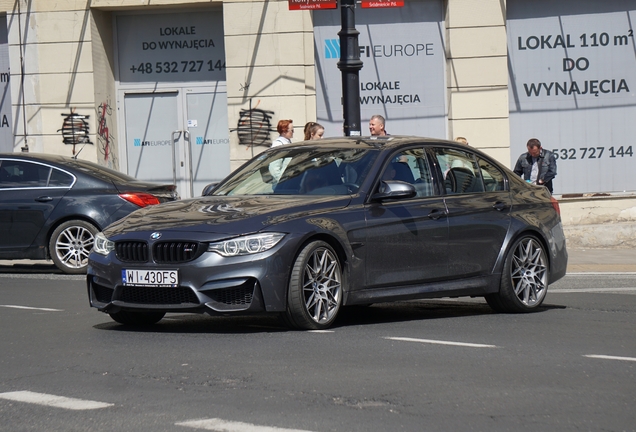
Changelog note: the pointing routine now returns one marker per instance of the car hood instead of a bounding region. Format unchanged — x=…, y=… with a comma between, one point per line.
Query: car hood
x=225, y=215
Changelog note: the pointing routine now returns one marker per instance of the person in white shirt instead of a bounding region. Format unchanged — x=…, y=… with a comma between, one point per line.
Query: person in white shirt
x=376, y=126
x=286, y=130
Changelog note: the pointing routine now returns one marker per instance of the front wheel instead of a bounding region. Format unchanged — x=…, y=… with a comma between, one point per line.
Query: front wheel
x=315, y=288
x=137, y=318
x=70, y=245
x=524, y=282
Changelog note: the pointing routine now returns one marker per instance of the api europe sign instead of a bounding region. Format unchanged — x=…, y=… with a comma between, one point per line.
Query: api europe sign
x=333, y=4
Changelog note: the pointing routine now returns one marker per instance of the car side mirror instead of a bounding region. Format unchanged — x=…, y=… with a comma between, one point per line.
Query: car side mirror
x=209, y=188
x=394, y=189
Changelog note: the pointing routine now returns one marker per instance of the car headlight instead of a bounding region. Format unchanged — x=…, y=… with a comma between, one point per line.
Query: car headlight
x=102, y=245
x=246, y=245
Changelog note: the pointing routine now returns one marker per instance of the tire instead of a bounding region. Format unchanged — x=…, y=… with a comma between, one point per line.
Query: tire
x=524, y=282
x=70, y=244
x=137, y=318
x=315, y=290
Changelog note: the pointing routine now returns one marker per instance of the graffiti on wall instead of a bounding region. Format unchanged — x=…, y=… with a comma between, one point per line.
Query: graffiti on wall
x=254, y=127
x=75, y=129
x=105, y=141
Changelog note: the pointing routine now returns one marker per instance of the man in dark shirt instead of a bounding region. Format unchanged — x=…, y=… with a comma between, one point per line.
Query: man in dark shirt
x=537, y=165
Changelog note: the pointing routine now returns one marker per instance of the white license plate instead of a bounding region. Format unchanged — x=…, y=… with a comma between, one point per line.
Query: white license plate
x=153, y=278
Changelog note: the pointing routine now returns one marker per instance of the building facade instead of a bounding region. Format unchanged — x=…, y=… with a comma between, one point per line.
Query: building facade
x=187, y=90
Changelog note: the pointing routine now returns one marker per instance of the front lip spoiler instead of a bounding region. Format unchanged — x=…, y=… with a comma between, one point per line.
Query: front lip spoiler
x=209, y=300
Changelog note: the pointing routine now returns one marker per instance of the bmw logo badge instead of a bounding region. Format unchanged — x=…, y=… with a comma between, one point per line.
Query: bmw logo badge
x=155, y=236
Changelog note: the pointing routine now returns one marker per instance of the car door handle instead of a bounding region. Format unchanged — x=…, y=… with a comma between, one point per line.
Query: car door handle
x=436, y=214
x=499, y=206
x=44, y=199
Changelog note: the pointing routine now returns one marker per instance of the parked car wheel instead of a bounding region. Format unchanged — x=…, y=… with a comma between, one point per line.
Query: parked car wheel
x=137, y=318
x=524, y=282
x=315, y=288
x=70, y=245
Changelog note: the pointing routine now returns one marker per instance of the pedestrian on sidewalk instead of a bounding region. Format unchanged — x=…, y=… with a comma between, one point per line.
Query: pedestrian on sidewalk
x=537, y=165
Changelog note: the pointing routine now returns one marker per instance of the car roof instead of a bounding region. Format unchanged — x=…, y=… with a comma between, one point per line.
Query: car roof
x=42, y=157
x=376, y=142
x=76, y=166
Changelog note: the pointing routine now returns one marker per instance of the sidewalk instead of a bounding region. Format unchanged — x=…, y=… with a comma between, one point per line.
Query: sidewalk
x=580, y=261
x=601, y=260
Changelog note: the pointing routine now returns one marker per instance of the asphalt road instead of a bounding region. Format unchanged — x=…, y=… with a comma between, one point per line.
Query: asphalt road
x=413, y=366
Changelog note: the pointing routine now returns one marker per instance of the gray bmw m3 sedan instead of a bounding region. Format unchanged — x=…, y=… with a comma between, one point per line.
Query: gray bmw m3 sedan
x=302, y=230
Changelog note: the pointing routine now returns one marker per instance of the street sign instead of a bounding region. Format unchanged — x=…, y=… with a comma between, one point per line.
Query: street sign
x=312, y=4
x=382, y=3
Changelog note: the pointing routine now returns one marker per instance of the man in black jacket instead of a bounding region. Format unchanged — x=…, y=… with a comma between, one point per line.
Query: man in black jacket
x=537, y=165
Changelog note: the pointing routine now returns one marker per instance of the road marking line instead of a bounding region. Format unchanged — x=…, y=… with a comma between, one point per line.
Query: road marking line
x=320, y=331
x=215, y=424
x=32, y=308
x=606, y=357
x=53, y=401
x=599, y=273
x=591, y=290
x=430, y=341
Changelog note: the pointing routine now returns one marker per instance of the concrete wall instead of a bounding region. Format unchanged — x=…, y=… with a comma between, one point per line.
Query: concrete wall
x=599, y=220
x=269, y=57
x=106, y=131
x=476, y=51
x=54, y=39
x=270, y=60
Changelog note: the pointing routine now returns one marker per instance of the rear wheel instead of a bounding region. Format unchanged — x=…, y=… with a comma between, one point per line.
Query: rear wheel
x=70, y=245
x=137, y=318
x=315, y=288
x=524, y=282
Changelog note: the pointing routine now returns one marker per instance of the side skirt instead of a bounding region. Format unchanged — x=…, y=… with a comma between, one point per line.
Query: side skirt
x=472, y=287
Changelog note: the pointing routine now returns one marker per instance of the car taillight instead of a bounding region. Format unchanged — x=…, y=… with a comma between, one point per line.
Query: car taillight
x=555, y=204
x=140, y=199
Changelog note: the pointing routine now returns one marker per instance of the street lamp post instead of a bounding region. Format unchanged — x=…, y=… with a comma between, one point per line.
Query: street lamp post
x=350, y=65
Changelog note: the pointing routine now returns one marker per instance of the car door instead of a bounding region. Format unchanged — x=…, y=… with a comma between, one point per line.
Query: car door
x=407, y=239
x=479, y=205
x=26, y=200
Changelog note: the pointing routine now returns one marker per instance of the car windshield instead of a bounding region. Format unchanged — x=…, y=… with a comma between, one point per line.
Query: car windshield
x=302, y=171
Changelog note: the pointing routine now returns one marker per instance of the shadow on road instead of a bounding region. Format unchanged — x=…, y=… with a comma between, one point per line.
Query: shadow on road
x=381, y=313
x=22, y=268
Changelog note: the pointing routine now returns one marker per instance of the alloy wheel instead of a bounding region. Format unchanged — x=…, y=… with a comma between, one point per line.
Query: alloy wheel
x=322, y=287
x=73, y=246
x=529, y=272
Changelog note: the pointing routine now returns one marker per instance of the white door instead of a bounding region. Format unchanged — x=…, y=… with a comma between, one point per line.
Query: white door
x=179, y=137
x=208, y=149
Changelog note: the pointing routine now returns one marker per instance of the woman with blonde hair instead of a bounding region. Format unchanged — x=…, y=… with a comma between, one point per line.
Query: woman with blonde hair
x=313, y=131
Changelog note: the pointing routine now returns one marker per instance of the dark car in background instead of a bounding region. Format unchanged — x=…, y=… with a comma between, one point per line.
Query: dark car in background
x=304, y=229
x=52, y=206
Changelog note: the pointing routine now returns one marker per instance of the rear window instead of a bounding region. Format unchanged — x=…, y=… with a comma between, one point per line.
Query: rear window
x=99, y=171
x=60, y=179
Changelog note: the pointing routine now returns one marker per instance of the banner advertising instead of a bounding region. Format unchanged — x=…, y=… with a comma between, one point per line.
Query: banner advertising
x=403, y=73
x=6, y=134
x=312, y=4
x=573, y=86
x=175, y=47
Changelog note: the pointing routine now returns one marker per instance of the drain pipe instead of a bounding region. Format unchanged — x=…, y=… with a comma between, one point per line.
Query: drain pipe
x=25, y=148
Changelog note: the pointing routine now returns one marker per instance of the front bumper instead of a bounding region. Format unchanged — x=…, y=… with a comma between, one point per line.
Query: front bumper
x=209, y=284
x=238, y=295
